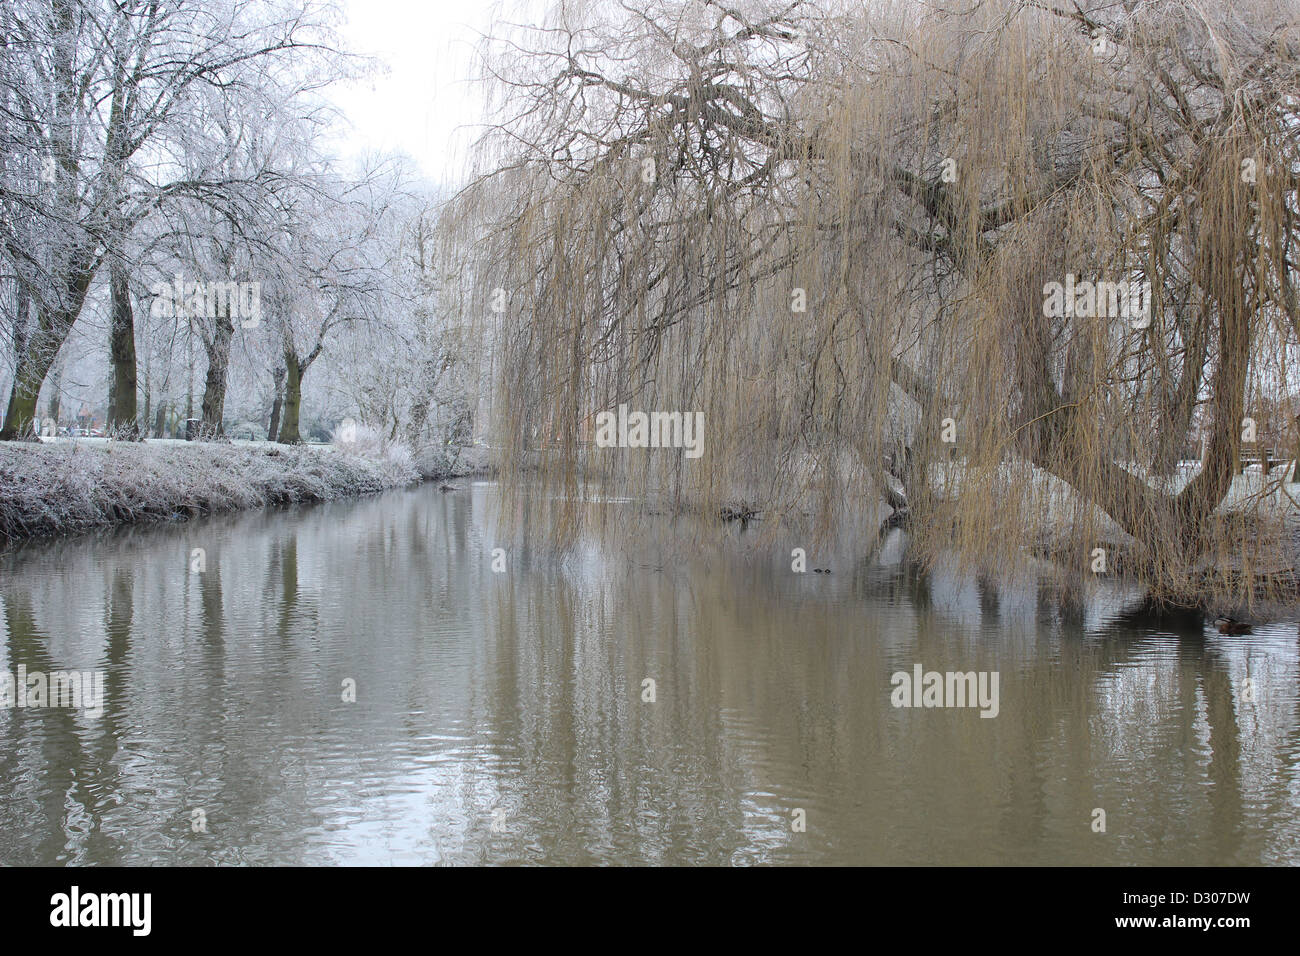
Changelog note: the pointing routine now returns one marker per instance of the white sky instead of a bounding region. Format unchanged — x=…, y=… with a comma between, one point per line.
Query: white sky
x=422, y=102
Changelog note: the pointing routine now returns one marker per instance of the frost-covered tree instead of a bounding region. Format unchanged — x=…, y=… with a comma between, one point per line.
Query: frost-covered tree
x=336, y=257
x=98, y=101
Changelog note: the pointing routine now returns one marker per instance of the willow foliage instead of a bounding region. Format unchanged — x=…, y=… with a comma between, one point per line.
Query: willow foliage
x=866, y=242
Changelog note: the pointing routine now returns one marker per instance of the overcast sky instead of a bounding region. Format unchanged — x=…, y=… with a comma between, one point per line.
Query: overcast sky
x=423, y=100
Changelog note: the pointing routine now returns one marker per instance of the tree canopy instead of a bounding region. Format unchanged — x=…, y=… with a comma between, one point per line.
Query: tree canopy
x=845, y=232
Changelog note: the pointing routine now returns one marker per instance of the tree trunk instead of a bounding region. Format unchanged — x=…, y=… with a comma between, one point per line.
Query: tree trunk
x=34, y=362
x=189, y=375
x=22, y=426
x=56, y=383
x=122, y=409
x=1171, y=441
x=147, y=416
x=160, y=422
x=214, y=386
x=292, y=400
x=1295, y=449
x=20, y=416
x=276, y=405
x=37, y=356
x=419, y=418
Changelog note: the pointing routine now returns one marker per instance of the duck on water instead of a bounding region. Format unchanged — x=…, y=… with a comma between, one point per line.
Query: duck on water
x=1230, y=625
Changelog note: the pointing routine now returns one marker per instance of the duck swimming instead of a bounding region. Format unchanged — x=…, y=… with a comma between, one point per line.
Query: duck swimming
x=1230, y=625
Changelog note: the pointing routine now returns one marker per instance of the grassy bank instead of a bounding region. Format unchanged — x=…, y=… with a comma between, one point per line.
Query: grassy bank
x=65, y=487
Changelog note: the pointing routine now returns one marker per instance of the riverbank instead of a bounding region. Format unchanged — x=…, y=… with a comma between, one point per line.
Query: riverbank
x=66, y=487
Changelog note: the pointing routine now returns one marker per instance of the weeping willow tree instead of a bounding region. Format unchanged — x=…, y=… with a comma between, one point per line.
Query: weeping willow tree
x=1020, y=274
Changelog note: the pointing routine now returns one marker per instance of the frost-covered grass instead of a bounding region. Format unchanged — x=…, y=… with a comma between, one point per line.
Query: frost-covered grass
x=69, y=486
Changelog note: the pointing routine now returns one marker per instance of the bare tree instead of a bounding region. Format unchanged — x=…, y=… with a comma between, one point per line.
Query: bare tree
x=100, y=92
x=336, y=262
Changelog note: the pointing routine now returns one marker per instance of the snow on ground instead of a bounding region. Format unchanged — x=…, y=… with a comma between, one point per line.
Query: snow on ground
x=64, y=485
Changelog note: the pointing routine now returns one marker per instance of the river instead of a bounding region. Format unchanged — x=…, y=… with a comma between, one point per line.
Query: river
x=354, y=683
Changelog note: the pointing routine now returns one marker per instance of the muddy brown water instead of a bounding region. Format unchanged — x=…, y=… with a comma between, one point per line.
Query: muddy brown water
x=505, y=716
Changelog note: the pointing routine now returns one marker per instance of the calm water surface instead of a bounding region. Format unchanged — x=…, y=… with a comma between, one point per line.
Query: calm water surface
x=499, y=717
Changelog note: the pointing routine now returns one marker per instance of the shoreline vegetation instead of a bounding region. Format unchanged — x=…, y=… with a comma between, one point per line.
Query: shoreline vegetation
x=1254, y=572
x=69, y=487
x=890, y=255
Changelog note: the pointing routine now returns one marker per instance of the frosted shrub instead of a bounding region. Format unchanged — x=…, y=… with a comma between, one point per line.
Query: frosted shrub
x=366, y=441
